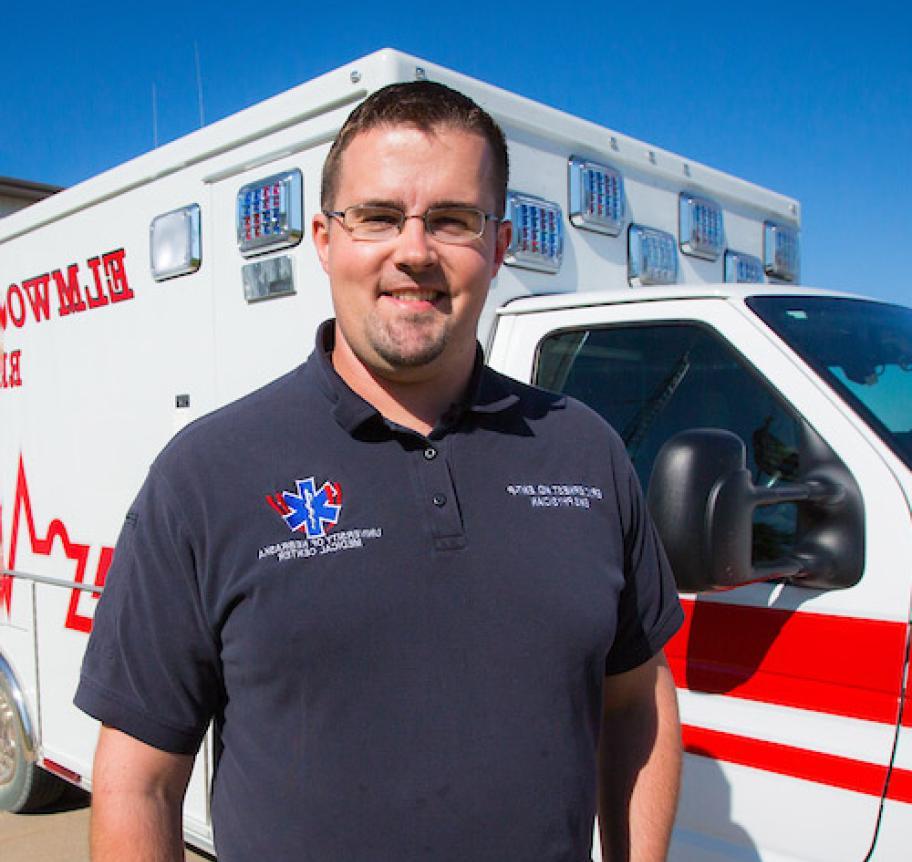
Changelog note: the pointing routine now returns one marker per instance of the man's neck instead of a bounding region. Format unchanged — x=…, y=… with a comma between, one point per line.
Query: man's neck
x=416, y=401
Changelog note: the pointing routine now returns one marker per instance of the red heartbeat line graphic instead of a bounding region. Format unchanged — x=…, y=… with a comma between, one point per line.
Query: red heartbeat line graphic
x=74, y=551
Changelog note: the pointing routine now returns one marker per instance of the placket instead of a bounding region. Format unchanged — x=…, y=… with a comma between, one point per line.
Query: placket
x=431, y=465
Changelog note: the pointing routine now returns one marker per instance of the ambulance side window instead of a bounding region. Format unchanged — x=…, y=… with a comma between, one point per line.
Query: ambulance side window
x=653, y=381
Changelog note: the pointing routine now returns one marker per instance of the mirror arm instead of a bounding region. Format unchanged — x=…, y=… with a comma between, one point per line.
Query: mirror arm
x=812, y=490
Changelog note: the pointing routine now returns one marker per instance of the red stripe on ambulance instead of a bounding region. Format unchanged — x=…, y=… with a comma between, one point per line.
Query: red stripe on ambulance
x=44, y=546
x=830, y=769
x=843, y=666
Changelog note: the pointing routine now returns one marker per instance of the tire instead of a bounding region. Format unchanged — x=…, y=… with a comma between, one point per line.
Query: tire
x=24, y=786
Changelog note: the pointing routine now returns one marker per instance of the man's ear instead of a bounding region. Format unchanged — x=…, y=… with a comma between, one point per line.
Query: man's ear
x=319, y=231
x=504, y=235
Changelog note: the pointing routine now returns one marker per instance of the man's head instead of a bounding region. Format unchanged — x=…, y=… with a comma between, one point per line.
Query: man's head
x=424, y=105
x=406, y=292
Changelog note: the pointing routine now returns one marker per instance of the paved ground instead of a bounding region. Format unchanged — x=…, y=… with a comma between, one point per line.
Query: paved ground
x=60, y=834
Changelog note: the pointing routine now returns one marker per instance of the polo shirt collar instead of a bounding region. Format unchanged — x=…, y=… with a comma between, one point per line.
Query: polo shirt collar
x=349, y=409
x=486, y=392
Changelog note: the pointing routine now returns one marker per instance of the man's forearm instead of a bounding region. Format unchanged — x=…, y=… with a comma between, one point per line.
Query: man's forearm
x=640, y=767
x=138, y=828
x=137, y=801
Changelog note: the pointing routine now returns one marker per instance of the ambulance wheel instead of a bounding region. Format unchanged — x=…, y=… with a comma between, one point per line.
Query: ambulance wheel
x=23, y=785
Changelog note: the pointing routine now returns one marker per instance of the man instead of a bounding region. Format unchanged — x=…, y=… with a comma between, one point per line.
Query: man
x=403, y=656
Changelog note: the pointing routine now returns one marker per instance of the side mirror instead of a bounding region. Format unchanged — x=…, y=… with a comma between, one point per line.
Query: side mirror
x=702, y=500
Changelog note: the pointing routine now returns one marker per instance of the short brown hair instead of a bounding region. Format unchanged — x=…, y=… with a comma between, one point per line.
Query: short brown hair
x=426, y=105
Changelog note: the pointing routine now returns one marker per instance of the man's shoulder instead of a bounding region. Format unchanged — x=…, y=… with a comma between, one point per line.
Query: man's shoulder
x=257, y=408
x=562, y=413
x=241, y=428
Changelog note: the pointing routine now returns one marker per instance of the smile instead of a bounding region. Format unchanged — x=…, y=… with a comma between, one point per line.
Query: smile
x=412, y=295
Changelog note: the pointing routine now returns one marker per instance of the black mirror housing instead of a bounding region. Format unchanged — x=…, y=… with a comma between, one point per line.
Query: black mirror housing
x=702, y=499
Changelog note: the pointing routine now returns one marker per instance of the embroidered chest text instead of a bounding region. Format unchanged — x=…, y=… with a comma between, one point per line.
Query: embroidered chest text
x=556, y=496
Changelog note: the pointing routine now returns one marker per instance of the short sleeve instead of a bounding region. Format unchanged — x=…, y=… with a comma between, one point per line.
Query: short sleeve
x=151, y=665
x=649, y=611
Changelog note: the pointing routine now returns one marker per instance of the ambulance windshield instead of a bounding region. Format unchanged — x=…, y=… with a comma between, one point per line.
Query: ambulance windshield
x=862, y=349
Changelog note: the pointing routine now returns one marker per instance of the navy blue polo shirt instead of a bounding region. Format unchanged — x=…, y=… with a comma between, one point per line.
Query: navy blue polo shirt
x=401, y=639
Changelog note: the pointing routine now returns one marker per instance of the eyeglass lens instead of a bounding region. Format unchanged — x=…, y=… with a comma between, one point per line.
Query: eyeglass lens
x=448, y=224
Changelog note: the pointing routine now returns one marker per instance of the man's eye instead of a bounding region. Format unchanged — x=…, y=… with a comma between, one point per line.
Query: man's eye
x=449, y=220
x=377, y=218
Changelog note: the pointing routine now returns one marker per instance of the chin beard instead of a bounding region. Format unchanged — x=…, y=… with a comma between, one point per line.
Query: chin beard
x=398, y=357
x=409, y=347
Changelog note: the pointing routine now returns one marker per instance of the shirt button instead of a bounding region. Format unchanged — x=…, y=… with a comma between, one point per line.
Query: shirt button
x=430, y=453
x=439, y=500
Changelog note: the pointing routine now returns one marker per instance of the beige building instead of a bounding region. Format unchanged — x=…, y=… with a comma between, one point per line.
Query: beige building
x=16, y=194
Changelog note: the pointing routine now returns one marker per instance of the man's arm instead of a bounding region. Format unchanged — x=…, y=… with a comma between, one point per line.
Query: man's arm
x=137, y=797
x=639, y=765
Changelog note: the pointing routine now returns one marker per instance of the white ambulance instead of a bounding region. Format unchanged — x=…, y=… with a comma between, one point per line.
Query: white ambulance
x=772, y=425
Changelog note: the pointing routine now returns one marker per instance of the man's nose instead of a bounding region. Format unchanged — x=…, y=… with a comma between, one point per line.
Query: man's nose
x=413, y=247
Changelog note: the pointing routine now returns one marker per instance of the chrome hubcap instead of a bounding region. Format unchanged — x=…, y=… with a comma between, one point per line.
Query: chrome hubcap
x=9, y=743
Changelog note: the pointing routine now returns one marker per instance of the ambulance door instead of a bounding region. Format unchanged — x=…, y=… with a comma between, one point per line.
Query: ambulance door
x=271, y=293
x=789, y=695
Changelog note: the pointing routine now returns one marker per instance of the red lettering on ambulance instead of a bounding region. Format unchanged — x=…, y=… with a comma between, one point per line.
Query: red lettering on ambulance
x=37, y=291
x=15, y=369
x=98, y=298
x=13, y=292
x=44, y=546
x=116, y=275
x=109, y=284
x=68, y=290
x=10, y=369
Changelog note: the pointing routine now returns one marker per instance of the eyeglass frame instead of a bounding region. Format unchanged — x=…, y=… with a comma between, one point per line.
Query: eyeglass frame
x=340, y=215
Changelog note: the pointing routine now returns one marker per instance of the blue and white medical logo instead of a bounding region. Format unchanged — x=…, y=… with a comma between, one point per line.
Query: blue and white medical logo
x=314, y=511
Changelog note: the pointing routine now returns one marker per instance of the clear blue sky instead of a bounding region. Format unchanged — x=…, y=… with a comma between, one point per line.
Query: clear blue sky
x=810, y=99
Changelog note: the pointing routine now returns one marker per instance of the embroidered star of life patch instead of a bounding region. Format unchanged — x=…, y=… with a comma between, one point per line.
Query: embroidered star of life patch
x=311, y=510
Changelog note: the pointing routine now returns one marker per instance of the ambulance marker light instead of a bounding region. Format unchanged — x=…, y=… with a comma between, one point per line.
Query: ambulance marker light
x=596, y=197
x=652, y=256
x=174, y=243
x=269, y=278
x=269, y=214
x=62, y=771
x=538, y=236
x=740, y=267
x=781, y=258
x=701, y=227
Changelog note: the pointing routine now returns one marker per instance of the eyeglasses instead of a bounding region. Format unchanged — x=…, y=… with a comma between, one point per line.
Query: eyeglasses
x=455, y=225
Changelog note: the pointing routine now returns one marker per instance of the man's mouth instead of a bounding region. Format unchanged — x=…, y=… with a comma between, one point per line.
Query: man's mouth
x=412, y=295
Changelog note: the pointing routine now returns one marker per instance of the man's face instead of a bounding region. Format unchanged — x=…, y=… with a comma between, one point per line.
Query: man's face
x=407, y=308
